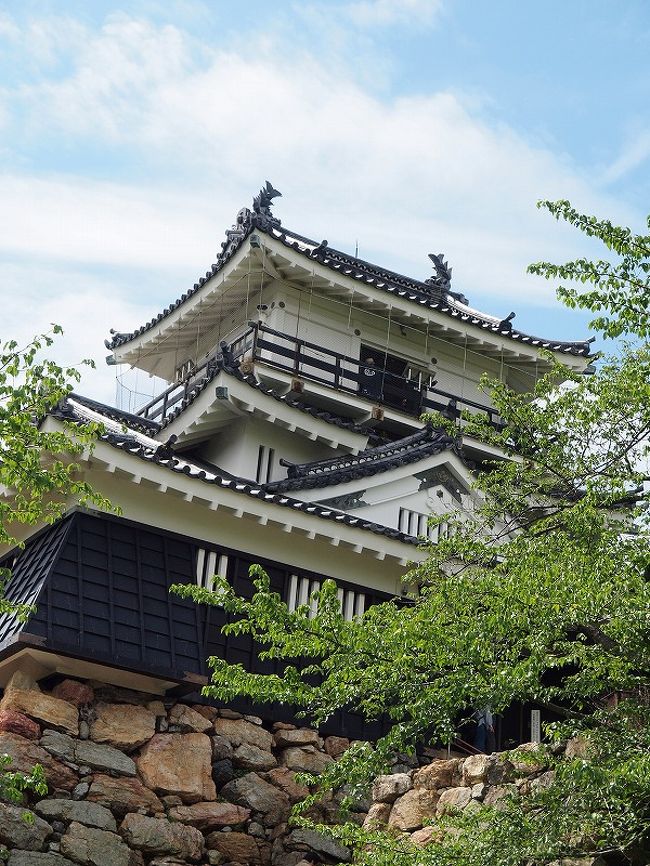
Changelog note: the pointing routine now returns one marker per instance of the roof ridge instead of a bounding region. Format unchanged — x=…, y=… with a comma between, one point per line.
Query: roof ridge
x=326, y=473
x=435, y=294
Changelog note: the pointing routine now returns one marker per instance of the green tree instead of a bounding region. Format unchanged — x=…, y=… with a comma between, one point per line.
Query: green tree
x=540, y=595
x=38, y=471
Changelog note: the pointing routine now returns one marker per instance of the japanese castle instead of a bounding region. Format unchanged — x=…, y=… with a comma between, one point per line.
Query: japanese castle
x=289, y=434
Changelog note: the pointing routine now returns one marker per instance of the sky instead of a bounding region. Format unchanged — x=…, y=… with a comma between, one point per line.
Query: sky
x=131, y=134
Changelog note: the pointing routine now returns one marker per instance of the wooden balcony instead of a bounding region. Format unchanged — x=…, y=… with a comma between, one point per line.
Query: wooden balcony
x=411, y=394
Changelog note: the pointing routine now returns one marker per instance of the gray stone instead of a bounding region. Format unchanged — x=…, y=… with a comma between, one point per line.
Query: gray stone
x=328, y=849
x=249, y=757
x=386, y=789
x=90, y=814
x=92, y=847
x=222, y=748
x=58, y=744
x=259, y=796
x=81, y=790
x=94, y=755
x=20, y=828
x=34, y=858
x=159, y=836
x=222, y=773
x=101, y=757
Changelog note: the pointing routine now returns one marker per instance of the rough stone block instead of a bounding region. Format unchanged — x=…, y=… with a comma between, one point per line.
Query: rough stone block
x=122, y=795
x=25, y=754
x=18, y=723
x=210, y=816
x=335, y=746
x=179, y=764
x=322, y=846
x=285, y=779
x=79, y=694
x=188, y=719
x=158, y=836
x=453, y=799
x=386, y=789
x=92, y=847
x=235, y=848
x=50, y=711
x=304, y=759
x=238, y=731
x=21, y=828
x=259, y=796
x=438, y=774
x=297, y=737
x=122, y=725
x=249, y=757
x=35, y=858
x=81, y=811
x=413, y=809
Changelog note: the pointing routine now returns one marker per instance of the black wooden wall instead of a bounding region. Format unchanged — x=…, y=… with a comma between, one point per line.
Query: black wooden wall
x=105, y=597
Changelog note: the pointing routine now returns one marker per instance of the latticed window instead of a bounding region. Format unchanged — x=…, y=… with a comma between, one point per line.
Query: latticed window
x=301, y=589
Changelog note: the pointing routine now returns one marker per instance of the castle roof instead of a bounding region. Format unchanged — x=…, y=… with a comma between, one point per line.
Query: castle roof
x=118, y=434
x=371, y=461
x=433, y=294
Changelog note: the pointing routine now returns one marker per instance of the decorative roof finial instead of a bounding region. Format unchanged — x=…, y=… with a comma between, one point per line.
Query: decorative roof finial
x=264, y=199
x=442, y=277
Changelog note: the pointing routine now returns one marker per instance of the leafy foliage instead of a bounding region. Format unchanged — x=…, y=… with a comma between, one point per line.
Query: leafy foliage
x=539, y=594
x=620, y=289
x=38, y=473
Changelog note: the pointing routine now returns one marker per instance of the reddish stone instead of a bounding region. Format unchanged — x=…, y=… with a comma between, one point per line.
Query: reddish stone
x=123, y=795
x=335, y=746
x=285, y=779
x=74, y=692
x=18, y=723
x=26, y=753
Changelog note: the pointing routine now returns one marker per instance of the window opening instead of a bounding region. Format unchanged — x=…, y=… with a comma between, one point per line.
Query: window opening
x=353, y=604
x=265, y=458
x=209, y=564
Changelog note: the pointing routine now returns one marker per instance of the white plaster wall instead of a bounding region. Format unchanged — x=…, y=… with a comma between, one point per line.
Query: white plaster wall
x=237, y=449
x=172, y=512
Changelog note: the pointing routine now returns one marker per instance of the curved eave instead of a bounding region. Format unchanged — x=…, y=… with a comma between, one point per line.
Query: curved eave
x=329, y=272
x=387, y=478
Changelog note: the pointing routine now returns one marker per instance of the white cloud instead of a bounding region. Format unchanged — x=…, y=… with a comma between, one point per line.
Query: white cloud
x=634, y=154
x=72, y=219
x=381, y=13
x=84, y=305
x=404, y=176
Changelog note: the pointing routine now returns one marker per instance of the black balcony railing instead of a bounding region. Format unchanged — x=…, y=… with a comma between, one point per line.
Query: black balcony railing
x=341, y=372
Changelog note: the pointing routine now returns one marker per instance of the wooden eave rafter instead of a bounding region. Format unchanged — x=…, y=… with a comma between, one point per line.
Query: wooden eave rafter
x=249, y=272
x=208, y=414
x=265, y=513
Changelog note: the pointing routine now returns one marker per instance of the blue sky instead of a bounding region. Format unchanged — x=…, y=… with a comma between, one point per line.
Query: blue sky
x=130, y=135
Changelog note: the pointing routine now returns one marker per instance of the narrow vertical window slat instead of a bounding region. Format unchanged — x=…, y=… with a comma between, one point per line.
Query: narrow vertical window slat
x=292, y=601
x=200, y=562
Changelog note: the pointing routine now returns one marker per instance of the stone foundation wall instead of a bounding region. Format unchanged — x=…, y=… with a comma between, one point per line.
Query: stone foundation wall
x=135, y=780
x=139, y=781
